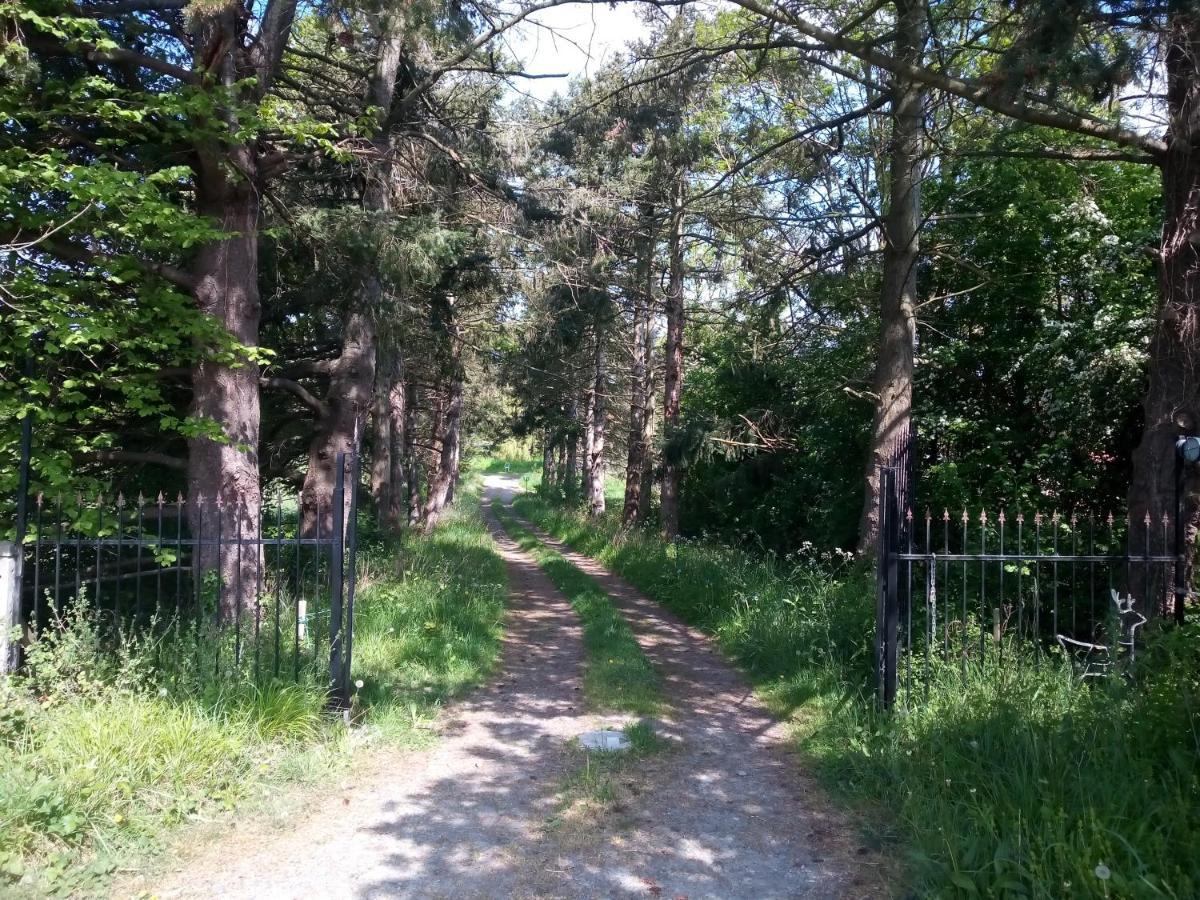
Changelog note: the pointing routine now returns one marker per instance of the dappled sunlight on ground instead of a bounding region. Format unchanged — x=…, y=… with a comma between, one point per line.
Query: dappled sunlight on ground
x=720, y=813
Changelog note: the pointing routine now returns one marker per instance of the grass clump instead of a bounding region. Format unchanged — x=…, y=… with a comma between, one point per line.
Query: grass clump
x=1017, y=782
x=605, y=781
x=99, y=752
x=109, y=740
x=617, y=676
x=429, y=629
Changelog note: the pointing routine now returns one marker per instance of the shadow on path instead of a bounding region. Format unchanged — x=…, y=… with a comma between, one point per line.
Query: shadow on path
x=720, y=816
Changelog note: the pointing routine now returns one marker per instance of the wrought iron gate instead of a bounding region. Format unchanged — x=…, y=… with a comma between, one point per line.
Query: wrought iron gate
x=272, y=600
x=962, y=593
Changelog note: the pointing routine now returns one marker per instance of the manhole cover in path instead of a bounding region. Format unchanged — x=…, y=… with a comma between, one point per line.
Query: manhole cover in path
x=604, y=740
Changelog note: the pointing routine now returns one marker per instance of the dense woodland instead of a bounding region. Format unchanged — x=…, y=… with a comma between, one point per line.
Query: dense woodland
x=733, y=266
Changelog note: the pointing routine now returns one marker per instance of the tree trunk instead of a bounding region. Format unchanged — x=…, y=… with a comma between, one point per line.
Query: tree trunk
x=635, y=465
x=439, y=488
x=547, y=463
x=595, y=493
x=437, y=427
x=571, y=474
x=397, y=400
x=353, y=377
x=454, y=463
x=589, y=435
x=224, y=496
x=412, y=459
x=647, y=480
x=351, y=382
x=387, y=456
x=1172, y=402
x=450, y=416
x=893, y=384
x=381, y=434
x=224, y=492
x=673, y=375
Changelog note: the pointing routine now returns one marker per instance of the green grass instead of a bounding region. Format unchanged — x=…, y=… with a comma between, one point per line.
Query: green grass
x=102, y=753
x=1020, y=783
x=603, y=781
x=617, y=676
x=429, y=622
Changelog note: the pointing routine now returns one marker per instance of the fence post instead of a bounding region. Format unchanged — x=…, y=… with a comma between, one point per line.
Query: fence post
x=887, y=601
x=23, y=465
x=881, y=586
x=337, y=674
x=892, y=596
x=351, y=562
x=1181, y=589
x=10, y=606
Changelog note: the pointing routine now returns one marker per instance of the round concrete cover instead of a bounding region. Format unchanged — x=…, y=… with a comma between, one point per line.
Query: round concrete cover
x=604, y=740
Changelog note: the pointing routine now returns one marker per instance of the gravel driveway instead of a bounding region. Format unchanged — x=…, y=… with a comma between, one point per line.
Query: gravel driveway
x=726, y=813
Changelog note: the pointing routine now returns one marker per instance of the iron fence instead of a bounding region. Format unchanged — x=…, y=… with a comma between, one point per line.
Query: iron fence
x=273, y=600
x=969, y=592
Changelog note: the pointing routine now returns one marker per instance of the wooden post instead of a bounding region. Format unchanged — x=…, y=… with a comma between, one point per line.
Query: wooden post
x=10, y=606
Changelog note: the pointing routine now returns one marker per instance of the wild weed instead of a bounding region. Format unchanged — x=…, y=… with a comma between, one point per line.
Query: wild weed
x=1018, y=780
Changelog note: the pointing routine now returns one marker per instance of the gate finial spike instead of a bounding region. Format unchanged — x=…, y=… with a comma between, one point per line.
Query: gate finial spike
x=179, y=497
x=908, y=515
x=965, y=517
x=1074, y=519
x=983, y=517
x=120, y=499
x=1037, y=519
x=1166, y=520
x=1147, y=518
x=1055, y=518
x=1110, y=519
x=38, y=499
x=159, y=501
x=1000, y=517
x=141, y=499
x=1020, y=517
x=945, y=515
x=928, y=515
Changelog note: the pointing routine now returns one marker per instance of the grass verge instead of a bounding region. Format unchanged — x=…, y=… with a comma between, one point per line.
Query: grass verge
x=102, y=755
x=1023, y=783
x=617, y=676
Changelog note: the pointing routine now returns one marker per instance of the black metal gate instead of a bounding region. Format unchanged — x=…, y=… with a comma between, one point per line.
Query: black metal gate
x=270, y=601
x=961, y=594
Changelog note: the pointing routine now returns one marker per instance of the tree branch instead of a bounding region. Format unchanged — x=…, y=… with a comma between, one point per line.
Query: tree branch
x=267, y=53
x=1080, y=155
x=137, y=457
x=299, y=391
x=120, y=7
x=973, y=91
x=140, y=60
x=69, y=251
x=305, y=367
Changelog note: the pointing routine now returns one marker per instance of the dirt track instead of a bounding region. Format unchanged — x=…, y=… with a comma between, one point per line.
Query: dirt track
x=725, y=813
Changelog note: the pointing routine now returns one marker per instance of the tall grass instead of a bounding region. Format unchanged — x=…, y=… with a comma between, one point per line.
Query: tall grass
x=1017, y=782
x=429, y=623
x=104, y=747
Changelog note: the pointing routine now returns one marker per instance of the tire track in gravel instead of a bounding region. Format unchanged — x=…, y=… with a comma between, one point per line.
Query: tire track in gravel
x=738, y=801
x=721, y=815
